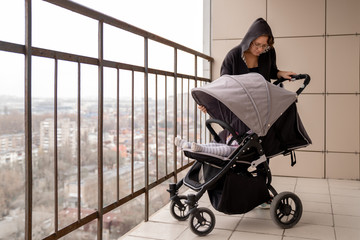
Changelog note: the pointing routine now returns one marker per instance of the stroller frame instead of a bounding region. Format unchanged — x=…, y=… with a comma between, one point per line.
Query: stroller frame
x=286, y=207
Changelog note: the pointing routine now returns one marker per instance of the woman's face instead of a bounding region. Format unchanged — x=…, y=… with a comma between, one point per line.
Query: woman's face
x=259, y=45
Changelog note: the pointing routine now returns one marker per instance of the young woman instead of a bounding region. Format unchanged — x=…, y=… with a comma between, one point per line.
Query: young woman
x=255, y=53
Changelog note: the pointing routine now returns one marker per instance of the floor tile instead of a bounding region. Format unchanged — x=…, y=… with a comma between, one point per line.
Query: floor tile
x=164, y=216
x=284, y=187
x=253, y=236
x=311, y=231
x=347, y=233
x=284, y=180
x=335, y=183
x=317, y=218
x=312, y=182
x=216, y=234
x=316, y=207
x=345, y=192
x=347, y=221
x=227, y=222
x=135, y=238
x=295, y=238
x=312, y=189
x=259, y=226
x=338, y=199
x=159, y=230
x=346, y=209
x=313, y=197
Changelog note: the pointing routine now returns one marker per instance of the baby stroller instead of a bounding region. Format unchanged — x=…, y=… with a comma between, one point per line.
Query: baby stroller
x=262, y=118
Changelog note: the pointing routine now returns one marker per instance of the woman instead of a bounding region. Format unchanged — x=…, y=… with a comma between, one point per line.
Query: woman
x=255, y=53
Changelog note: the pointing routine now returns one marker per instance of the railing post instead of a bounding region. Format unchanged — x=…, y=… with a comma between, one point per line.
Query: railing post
x=78, y=155
x=175, y=114
x=28, y=132
x=100, y=127
x=146, y=126
x=56, y=192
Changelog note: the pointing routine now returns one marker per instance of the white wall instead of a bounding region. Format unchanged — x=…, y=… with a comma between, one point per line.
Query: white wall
x=318, y=37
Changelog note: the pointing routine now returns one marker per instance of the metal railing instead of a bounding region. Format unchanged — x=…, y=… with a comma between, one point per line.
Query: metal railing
x=178, y=105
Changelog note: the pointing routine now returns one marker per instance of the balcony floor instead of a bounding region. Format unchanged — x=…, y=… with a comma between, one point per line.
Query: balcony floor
x=331, y=211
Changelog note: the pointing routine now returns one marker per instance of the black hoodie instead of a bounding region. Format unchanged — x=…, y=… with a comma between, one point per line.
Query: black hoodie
x=234, y=64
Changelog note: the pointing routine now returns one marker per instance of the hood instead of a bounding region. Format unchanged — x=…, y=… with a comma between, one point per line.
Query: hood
x=258, y=28
x=252, y=99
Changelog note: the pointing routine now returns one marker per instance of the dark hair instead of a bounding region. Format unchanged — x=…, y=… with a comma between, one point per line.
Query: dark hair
x=270, y=40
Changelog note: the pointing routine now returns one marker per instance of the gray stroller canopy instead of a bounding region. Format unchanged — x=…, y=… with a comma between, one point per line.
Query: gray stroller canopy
x=248, y=97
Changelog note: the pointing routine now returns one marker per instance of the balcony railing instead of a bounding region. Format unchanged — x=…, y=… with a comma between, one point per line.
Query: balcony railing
x=172, y=112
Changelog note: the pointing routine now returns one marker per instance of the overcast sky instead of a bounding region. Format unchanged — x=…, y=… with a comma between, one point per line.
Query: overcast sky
x=58, y=29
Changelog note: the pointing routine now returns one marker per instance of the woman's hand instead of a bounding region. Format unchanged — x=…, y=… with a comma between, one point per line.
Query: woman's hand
x=285, y=74
x=202, y=108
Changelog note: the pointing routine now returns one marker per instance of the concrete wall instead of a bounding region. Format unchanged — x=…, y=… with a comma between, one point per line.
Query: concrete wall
x=318, y=37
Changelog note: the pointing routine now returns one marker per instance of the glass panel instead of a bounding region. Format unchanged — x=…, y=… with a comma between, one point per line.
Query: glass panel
x=58, y=29
x=162, y=148
x=110, y=135
x=139, y=135
x=185, y=114
x=180, y=120
x=88, y=231
x=170, y=123
x=12, y=24
x=203, y=68
x=158, y=198
x=122, y=46
x=89, y=139
x=67, y=139
x=185, y=63
x=192, y=110
x=153, y=160
x=163, y=61
x=125, y=132
x=12, y=146
x=124, y=218
x=43, y=151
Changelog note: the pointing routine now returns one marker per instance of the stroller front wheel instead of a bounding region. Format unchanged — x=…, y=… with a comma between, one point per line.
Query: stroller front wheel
x=286, y=209
x=202, y=221
x=178, y=208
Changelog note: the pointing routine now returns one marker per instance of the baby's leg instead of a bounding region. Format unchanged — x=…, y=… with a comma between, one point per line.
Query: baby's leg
x=220, y=150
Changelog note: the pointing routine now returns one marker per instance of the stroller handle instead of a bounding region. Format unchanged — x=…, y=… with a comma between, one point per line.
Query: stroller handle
x=306, y=78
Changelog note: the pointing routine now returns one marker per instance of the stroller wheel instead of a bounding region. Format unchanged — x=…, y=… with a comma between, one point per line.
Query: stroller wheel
x=178, y=209
x=286, y=209
x=202, y=221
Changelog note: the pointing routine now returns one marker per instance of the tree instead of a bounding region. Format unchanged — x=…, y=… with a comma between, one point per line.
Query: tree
x=11, y=186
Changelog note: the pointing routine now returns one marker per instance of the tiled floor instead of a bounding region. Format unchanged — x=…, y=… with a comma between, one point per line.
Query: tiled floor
x=331, y=212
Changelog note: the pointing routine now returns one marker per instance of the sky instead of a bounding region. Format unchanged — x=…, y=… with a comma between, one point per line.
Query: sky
x=58, y=29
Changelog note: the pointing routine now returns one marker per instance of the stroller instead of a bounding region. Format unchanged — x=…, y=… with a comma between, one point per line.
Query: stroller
x=262, y=118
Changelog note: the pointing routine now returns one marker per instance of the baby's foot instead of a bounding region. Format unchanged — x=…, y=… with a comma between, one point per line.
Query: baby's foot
x=181, y=143
x=196, y=147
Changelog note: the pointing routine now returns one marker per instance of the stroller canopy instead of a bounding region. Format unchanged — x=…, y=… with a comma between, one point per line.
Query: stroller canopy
x=248, y=97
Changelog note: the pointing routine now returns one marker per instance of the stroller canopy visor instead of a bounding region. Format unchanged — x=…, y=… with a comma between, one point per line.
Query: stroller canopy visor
x=248, y=97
